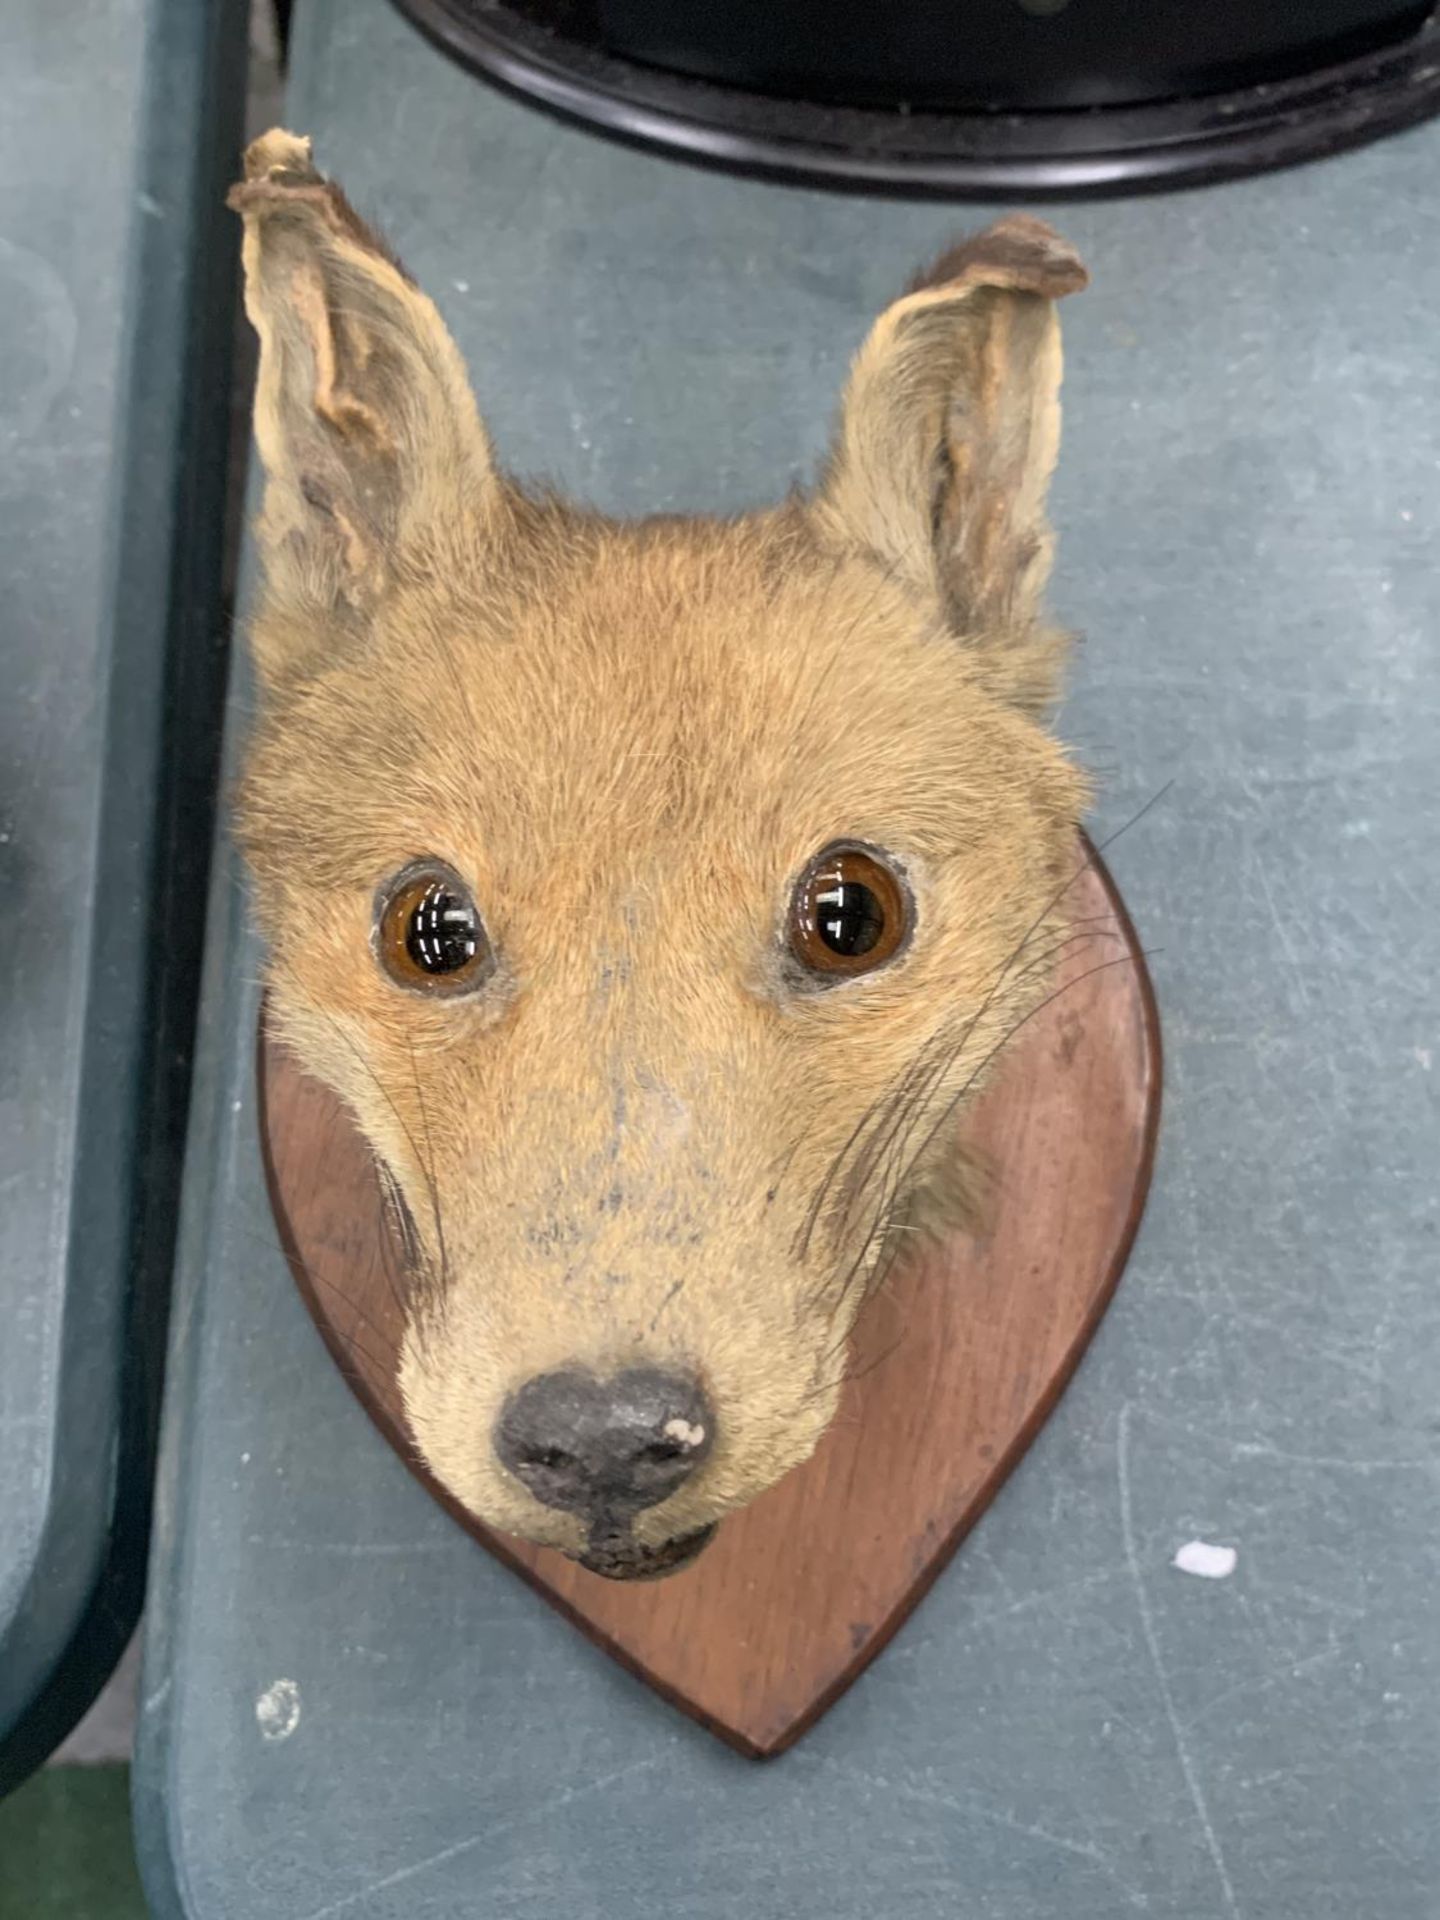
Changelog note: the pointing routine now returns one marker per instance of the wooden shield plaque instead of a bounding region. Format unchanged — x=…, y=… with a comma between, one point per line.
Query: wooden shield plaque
x=957, y=1360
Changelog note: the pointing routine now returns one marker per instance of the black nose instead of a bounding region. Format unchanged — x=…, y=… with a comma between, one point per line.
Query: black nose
x=605, y=1448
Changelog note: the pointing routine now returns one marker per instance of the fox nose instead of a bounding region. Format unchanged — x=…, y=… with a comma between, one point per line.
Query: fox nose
x=605, y=1449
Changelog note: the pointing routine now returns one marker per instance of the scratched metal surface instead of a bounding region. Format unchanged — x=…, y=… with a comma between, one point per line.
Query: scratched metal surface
x=97, y=300
x=349, y=1710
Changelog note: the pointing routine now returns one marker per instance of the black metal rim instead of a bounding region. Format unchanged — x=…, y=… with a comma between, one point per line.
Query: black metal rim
x=1096, y=152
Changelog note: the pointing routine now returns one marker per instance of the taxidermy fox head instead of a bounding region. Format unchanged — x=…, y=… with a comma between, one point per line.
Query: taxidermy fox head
x=654, y=894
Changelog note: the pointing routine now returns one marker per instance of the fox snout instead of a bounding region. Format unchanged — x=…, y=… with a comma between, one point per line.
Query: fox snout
x=655, y=894
x=606, y=1450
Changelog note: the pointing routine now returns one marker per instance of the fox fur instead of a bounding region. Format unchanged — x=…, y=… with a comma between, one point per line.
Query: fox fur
x=645, y=1140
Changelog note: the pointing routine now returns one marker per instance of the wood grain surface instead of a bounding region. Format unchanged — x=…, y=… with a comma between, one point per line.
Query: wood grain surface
x=957, y=1362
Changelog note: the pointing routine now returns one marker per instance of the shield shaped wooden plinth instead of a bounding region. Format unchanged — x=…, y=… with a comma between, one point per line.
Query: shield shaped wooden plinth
x=957, y=1360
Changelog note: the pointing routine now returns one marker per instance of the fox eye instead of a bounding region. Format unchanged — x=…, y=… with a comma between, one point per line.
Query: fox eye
x=429, y=935
x=851, y=912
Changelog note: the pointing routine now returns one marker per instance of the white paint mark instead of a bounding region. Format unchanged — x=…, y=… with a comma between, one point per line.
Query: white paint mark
x=1425, y=1057
x=278, y=1710
x=461, y=286
x=682, y=1432
x=1211, y=1563
x=244, y=1459
x=237, y=1106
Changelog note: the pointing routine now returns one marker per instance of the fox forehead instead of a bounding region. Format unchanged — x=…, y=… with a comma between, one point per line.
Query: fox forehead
x=613, y=687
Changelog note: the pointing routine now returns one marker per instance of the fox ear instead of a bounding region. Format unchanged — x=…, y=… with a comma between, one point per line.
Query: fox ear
x=948, y=436
x=364, y=417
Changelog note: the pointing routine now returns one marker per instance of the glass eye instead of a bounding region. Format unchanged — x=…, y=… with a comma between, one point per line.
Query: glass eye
x=850, y=913
x=429, y=935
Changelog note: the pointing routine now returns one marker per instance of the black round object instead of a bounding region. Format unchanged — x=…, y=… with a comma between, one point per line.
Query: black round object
x=997, y=55
x=1110, y=116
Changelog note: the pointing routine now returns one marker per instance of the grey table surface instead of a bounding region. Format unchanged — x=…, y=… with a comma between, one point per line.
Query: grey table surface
x=109, y=110
x=347, y=1708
